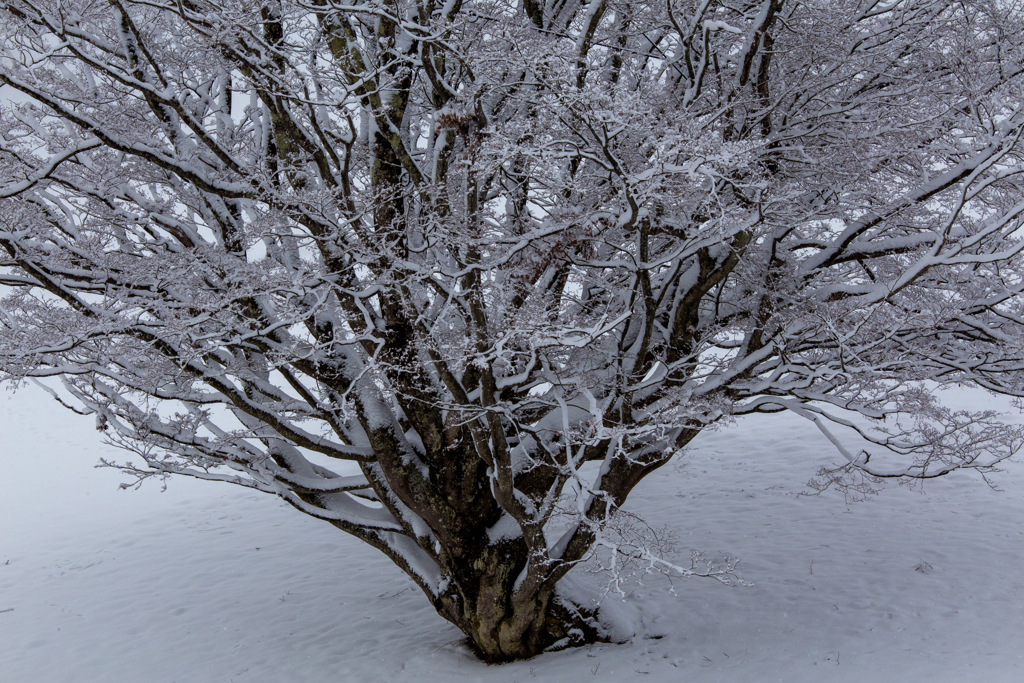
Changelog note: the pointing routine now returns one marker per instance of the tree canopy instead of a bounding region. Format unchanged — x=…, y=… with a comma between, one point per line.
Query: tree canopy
x=499, y=261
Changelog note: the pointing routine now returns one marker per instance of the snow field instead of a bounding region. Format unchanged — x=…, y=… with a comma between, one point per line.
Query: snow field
x=207, y=583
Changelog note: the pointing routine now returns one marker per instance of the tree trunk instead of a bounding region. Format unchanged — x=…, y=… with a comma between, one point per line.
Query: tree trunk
x=505, y=622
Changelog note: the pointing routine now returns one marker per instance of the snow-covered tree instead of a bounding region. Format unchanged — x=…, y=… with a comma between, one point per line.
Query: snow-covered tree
x=500, y=260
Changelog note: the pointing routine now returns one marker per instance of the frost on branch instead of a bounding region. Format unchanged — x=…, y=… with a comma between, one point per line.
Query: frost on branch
x=626, y=550
x=936, y=441
x=456, y=277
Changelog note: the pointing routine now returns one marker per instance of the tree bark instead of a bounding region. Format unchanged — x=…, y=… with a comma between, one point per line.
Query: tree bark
x=504, y=624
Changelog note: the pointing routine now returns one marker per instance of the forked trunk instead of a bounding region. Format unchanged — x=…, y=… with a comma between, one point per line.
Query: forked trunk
x=505, y=619
x=505, y=625
x=529, y=627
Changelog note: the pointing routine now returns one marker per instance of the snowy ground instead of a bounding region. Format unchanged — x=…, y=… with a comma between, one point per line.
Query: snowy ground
x=207, y=583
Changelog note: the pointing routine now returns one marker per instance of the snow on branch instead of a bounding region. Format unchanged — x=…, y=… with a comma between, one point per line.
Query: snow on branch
x=456, y=279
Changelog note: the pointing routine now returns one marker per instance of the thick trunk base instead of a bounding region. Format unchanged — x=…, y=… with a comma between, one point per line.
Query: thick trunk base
x=561, y=626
